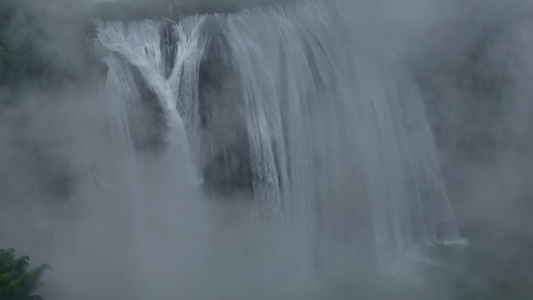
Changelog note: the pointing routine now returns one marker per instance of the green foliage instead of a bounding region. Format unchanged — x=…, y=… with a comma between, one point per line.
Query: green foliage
x=16, y=281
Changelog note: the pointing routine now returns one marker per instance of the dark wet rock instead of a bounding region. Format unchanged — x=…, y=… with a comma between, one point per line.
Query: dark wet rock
x=225, y=146
x=174, y=10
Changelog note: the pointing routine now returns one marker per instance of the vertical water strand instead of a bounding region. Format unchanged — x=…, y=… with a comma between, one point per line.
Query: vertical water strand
x=319, y=34
x=441, y=221
x=304, y=55
x=129, y=50
x=384, y=165
x=259, y=43
x=255, y=55
x=293, y=89
x=259, y=91
x=418, y=204
x=140, y=44
x=191, y=41
x=400, y=96
x=120, y=87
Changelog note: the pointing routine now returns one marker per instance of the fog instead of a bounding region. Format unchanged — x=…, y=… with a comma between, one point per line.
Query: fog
x=117, y=221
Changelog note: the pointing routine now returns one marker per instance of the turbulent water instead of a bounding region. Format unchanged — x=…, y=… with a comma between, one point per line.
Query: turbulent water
x=293, y=104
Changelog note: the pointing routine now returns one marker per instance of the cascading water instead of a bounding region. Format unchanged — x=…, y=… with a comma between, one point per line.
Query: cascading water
x=329, y=134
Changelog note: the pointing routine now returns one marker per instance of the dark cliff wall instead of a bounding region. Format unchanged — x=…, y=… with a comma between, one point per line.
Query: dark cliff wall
x=43, y=48
x=172, y=9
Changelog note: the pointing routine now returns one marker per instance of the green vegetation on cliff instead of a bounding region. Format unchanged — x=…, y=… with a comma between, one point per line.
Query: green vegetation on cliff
x=16, y=281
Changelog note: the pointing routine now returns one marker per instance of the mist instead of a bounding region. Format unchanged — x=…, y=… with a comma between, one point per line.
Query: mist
x=127, y=198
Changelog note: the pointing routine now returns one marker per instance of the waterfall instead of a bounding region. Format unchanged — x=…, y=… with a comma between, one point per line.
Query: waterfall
x=328, y=132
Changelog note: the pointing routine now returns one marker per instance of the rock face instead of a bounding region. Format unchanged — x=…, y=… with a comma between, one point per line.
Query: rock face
x=111, y=11
x=224, y=138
